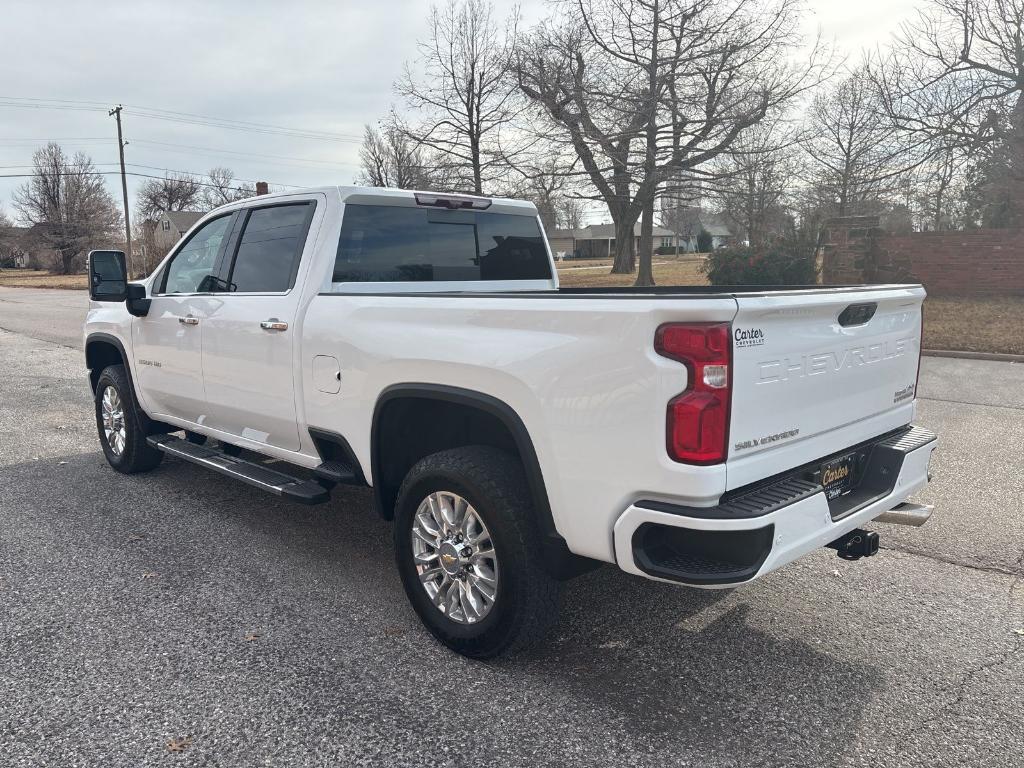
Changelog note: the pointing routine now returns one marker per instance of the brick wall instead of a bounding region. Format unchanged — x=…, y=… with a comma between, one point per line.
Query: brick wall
x=985, y=262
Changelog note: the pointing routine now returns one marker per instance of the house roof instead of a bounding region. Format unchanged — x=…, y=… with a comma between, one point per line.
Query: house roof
x=692, y=220
x=13, y=233
x=603, y=232
x=182, y=220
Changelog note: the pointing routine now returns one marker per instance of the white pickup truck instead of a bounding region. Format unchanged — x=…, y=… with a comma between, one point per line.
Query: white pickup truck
x=516, y=432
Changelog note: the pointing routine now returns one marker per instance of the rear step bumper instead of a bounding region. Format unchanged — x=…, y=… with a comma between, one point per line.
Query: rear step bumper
x=257, y=475
x=757, y=532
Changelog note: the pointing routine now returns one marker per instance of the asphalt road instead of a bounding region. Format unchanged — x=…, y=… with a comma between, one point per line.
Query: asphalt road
x=136, y=610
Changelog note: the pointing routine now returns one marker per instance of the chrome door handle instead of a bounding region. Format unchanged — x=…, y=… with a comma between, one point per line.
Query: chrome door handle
x=273, y=324
x=189, y=320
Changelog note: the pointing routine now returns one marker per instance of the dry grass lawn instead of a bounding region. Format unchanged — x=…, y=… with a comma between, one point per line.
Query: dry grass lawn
x=667, y=271
x=975, y=325
x=966, y=325
x=39, y=278
x=971, y=325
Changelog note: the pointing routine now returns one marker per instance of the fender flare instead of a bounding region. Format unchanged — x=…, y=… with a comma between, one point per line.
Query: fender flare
x=116, y=342
x=561, y=562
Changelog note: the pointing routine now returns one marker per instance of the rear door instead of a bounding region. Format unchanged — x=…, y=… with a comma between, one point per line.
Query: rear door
x=814, y=364
x=248, y=342
x=167, y=342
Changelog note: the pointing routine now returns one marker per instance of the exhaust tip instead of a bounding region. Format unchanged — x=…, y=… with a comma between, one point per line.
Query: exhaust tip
x=907, y=514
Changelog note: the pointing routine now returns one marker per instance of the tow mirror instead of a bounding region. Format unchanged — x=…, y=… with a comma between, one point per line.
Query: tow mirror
x=108, y=276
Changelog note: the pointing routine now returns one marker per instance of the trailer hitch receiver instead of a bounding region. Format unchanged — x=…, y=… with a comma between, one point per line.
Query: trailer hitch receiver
x=855, y=544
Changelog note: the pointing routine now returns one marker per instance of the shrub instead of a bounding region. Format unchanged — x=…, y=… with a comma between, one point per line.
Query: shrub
x=780, y=263
x=704, y=241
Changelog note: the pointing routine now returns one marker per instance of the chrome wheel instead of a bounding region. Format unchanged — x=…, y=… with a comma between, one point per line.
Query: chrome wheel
x=454, y=557
x=114, y=430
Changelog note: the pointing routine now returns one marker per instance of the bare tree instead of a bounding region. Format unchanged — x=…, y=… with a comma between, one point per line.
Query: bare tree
x=957, y=62
x=11, y=241
x=649, y=89
x=174, y=192
x=221, y=188
x=569, y=214
x=462, y=89
x=857, y=154
x=756, y=177
x=937, y=190
x=389, y=158
x=67, y=204
x=992, y=185
x=544, y=175
x=955, y=76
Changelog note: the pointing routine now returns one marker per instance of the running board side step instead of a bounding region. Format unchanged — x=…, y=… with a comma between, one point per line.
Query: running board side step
x=256, y=475
x=338, y=472
x=907, y=514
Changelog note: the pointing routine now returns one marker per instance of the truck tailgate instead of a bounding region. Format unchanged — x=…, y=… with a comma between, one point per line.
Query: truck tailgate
x=813, y=365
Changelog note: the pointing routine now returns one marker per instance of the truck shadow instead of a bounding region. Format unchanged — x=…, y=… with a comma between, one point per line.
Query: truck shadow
x=705, y=669
x=657, y=664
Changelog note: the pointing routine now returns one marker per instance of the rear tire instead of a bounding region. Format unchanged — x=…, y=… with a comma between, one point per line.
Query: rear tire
x=478, y=620
x=122, y=425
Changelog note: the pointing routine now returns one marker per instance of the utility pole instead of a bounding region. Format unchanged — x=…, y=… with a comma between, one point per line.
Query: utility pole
x=116, y=112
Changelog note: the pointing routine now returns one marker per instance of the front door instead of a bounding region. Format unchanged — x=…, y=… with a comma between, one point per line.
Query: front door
x=249, y=339
x=167, y=342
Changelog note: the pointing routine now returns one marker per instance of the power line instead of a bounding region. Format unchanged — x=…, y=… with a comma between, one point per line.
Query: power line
x=96, y=104
x=28, y=140
x=243, y=124
x=200, y=175
x=134, y=173
x=257, y=155
x=186, y=118
x=290, y=133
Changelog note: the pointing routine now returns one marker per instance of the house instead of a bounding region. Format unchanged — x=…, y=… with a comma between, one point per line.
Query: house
x=598, y=241
x=690, y=222
x=15, y=247
x=170, y=226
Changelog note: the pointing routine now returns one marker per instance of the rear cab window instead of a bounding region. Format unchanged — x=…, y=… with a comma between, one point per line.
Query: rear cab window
x=267, y=254
x=414, y=245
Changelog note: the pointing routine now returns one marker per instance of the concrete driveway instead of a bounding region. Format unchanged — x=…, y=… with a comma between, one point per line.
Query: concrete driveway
x=136, y=610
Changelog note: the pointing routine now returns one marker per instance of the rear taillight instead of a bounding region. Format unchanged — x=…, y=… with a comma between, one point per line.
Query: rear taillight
x=698, y=419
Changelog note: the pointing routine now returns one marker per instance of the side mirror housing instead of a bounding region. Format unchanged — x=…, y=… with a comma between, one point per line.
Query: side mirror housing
x=108, y=276
x=138, y=304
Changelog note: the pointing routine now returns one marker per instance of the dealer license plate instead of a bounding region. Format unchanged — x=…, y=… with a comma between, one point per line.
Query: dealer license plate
x=839, y=475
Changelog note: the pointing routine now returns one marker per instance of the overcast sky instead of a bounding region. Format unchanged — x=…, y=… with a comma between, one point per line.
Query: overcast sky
x=323, y=67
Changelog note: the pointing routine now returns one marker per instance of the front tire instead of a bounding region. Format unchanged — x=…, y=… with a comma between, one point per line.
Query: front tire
x=469, y=555
x=122, y=425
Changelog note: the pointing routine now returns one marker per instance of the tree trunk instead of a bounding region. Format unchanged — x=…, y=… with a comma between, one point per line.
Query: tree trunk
x=625, y=258
x=474, y=148
x=67, y=259
x=645, y=277
x=1016, y=175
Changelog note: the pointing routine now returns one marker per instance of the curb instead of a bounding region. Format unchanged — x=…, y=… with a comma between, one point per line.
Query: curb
x=997, y=356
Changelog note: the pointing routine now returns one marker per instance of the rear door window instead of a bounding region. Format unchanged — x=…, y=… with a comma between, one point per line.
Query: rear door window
x=382, y=243
x=267, y=256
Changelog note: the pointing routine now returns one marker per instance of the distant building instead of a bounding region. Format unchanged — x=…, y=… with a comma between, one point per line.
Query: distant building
x=170, y=226
x=15, y=247
x=598, y=241
x=688, y=223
